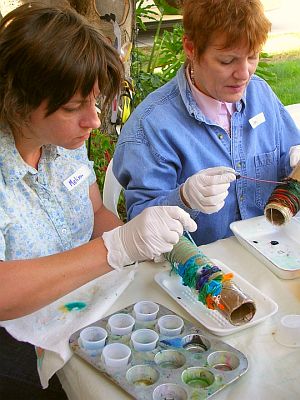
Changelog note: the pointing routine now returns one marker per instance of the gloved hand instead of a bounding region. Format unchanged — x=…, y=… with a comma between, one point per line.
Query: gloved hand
x=206, y=190
x=147, y=236
x=294, y=155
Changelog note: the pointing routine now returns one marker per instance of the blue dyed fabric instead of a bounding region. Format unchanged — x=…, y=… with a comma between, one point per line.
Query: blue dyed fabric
x=39, y=216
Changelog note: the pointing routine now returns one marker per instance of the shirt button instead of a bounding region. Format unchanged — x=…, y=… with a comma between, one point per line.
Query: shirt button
x=238, y=165
x=220, y=136
x=241, y=197
x=64, y=231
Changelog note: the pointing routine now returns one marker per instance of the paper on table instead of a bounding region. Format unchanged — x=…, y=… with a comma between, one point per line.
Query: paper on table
x=50, y=327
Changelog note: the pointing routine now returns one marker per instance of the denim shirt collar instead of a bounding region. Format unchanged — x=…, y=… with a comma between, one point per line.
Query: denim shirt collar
x=12, y=166
x=189, y=101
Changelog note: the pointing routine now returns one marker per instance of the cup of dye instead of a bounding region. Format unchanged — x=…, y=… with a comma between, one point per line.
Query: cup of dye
x=121, y=324
x=170, y=325
x=146, y=310
x=116, y=355
x=288, y=331
x=93, y=339
x=144, y=339
x=170, y=391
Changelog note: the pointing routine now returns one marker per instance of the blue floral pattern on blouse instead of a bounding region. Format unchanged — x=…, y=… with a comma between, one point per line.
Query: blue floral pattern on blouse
x=39, y=216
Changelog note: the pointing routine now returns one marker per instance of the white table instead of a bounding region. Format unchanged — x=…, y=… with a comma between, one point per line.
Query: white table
x=274, y=370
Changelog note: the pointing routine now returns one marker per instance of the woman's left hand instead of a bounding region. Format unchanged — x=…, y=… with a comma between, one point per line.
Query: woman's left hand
x=294, y=155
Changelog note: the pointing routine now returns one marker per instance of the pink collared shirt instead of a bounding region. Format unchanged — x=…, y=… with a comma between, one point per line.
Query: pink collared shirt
x=217, y=111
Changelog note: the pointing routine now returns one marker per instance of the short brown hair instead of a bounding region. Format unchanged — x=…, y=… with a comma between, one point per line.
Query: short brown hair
x=238, y=20
x=50, y=53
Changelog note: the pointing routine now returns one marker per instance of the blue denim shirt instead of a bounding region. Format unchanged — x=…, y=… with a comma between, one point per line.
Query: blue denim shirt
x=39, y=215
x=167, y=139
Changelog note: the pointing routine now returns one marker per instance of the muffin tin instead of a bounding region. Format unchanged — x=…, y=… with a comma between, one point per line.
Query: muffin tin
x=190, y=365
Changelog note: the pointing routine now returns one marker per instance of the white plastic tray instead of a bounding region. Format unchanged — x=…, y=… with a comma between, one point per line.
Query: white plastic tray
x=212, y=319
x=278, y=247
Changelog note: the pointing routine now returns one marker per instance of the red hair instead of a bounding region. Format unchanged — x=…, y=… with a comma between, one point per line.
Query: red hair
x=238, y=21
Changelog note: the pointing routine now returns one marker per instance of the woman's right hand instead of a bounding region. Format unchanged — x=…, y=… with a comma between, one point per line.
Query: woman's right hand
x=147, y=236
x=207, y=190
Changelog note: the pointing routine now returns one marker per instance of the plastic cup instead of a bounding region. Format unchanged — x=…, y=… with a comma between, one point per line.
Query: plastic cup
x=116, y=355
x=288, y=331
x=144, y=339
x=93, y=339
x=170, y=325
x=121, y=324
x=146, y=310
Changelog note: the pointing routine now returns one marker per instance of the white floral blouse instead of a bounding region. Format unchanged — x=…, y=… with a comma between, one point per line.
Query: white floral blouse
x=44, y=211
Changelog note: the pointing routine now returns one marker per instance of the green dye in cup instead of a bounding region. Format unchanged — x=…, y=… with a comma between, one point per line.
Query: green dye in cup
x=195, y=377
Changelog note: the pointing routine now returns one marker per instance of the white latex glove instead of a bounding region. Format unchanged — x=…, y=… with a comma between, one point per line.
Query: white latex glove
x=147, y=236
x=294, y=155
x=207, y=190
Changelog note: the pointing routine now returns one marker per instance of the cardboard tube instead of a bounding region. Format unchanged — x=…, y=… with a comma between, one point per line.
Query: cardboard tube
x=239, y=307
x=278, y=213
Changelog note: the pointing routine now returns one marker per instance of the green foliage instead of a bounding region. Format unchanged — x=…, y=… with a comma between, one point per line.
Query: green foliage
x=170, y=55
x=143, y=10
x=166, y=8
x=145, y=82
x=263, y=69
x=287, y=84
x=102, y=147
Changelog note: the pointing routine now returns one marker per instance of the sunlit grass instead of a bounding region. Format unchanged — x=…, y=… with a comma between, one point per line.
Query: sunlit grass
x=285, y=63
x=287, y=84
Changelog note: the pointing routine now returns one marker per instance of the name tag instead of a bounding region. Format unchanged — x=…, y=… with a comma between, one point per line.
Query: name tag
x=79, y=176
x=257, y=120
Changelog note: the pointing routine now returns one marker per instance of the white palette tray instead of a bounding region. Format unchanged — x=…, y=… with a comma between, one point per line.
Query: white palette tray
x=278, y=247
x=212, y=319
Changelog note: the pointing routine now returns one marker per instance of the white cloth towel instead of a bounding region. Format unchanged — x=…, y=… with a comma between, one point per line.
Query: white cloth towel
x=50, y=328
